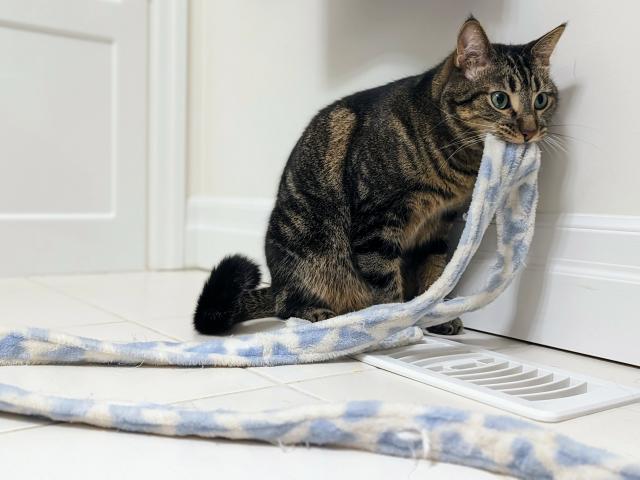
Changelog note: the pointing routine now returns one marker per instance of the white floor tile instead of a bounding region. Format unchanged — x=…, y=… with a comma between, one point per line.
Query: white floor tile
x=25, y=303
x=118, y=332
x=9, y=422
x=181, y=327
x=377, y=384
x=75, y=452
x=263, y=399
x=132, y=383
x=134, y=296
x=297, y=373
x=159, y=307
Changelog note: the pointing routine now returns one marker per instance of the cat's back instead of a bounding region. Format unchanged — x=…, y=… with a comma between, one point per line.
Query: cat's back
x=330, y=136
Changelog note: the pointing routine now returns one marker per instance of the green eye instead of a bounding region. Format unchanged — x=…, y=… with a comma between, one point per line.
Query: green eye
x=500, y=100
x=541, y=101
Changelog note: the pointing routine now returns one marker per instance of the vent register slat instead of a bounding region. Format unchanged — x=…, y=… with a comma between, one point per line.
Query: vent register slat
x=535, y=391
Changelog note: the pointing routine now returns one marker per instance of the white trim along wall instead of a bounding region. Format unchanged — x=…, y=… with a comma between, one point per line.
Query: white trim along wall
x=581, y=285
x=167, y=117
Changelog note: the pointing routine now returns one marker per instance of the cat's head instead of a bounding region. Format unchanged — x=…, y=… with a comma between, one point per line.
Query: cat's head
x=502, y=89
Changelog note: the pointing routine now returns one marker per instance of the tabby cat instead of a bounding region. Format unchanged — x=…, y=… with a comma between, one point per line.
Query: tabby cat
x=369, y=193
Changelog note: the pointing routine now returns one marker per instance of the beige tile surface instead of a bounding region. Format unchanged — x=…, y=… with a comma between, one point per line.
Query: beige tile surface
x=9, y=422
x=24, y=303
x=297, y=373
x=118, y=332
x=268, y=398
x=157, y=306
x=181, y=327
x=377, y=384
x=134, y=296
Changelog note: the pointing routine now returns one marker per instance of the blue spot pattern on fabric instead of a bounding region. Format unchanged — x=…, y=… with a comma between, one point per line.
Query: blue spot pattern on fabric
x=11, y=347
x=210, y=346
x=264, y=430
x=571, y=453
x=454, y=447
x=193, y=422
x=70, y=409
x=439, y=416
x=525, y=461
x=254, y=351
x=310, y=337
x=357, y=411
x=507, y=424
x=324, y=431
x=400, y=444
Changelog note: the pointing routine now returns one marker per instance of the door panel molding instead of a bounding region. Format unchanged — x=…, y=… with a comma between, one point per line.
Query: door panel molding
x=110, y=234
x=168, y=35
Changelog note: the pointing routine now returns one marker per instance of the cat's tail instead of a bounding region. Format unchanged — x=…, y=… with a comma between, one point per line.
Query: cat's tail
x=230, y=296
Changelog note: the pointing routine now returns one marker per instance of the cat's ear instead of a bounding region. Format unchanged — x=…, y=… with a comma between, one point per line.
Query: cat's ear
x=542, y=48
x=473, y=51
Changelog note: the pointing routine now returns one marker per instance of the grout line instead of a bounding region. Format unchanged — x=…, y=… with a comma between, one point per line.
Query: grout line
x=99, y=324
x=28, y=427
x=328, y=375
x=79, y=299
x=305, y=392
x=135, y=322
x=264, y=376
x=216, y=395
x=104, y=310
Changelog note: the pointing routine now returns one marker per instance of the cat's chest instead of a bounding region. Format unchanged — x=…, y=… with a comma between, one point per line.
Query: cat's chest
x=424, y=216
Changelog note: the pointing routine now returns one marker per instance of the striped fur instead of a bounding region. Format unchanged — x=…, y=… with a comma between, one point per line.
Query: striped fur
x=370, y=191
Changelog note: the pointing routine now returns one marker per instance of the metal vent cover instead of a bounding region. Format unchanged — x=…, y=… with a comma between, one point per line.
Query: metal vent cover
x=531, y=390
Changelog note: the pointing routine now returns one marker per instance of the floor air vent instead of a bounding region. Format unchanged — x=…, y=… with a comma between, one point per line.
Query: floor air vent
x=534, y=391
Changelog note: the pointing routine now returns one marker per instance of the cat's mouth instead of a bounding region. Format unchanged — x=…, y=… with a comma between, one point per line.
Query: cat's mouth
x=521, y=137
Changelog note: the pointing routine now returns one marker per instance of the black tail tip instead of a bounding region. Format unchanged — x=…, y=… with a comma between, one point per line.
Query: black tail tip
x=219, y=306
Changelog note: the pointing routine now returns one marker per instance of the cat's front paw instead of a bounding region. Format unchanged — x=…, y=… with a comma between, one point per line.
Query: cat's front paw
x=319, y=314
x=454, y=327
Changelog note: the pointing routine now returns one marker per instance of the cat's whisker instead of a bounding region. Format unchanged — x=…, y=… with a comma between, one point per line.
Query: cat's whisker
x=575, y=139
x=465, y=139
x=549, y=146
x=573, y=125
x=552, y=147
x=550, y=140
x=555, y=141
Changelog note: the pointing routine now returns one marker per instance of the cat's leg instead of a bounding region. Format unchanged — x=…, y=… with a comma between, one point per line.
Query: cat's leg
x=378, y=259
x=317, y=285
x=421, y=267
x=296, y=302
x=436, y=265
x=293, y=293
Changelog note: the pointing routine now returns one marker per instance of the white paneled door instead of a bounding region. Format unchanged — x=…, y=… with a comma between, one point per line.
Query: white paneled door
x=72, y=135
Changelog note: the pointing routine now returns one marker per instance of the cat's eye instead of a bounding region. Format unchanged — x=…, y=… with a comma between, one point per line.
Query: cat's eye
x=500, y=100
x=541, y=101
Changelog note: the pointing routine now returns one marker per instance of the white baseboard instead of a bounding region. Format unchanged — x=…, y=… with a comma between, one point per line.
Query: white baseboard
x=219, y=226
x=579, y=292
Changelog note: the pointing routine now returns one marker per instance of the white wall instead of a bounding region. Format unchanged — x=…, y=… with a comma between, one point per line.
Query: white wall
x=260, y=70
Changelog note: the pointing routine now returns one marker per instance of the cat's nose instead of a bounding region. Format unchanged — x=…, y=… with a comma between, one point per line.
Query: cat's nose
x=529, y=134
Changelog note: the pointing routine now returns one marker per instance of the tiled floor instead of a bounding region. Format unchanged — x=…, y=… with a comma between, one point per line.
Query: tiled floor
x=152, y=306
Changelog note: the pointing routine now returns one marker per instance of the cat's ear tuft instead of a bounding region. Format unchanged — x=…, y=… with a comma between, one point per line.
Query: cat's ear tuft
x=542, y=48
x=473, y=51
